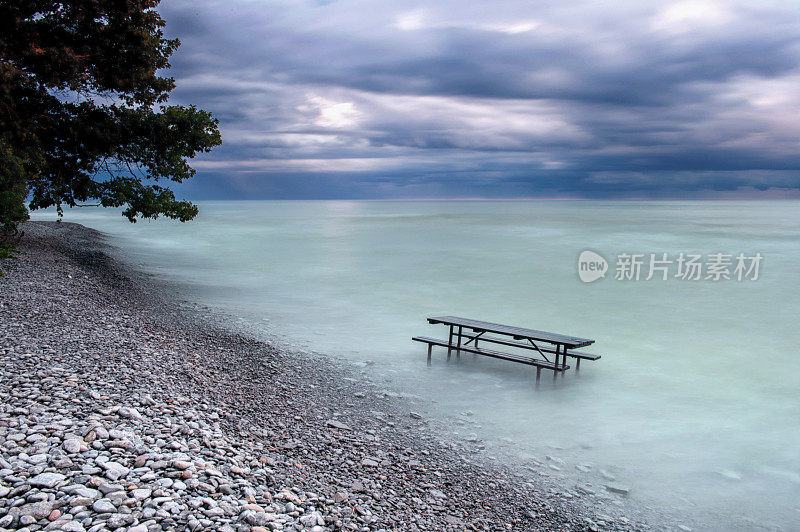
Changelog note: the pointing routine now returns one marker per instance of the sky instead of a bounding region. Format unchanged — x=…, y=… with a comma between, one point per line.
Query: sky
x=499, y=99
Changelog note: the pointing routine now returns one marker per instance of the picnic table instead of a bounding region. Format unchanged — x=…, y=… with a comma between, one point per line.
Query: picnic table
x=465, y=335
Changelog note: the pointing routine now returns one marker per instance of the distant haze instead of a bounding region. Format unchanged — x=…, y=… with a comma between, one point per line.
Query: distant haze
x=366, y=99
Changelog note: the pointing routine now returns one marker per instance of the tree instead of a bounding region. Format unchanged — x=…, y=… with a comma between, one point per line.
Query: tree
x=84, y=113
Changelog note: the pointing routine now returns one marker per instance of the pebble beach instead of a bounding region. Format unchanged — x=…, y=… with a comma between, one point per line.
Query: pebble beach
x=122, y=410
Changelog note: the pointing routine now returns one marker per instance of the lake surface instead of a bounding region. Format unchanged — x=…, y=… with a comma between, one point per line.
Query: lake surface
x=695, y=405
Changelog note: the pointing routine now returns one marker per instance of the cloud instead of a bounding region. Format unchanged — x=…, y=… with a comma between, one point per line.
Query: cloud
x=360, y=164
x=331, y=114
x=689, y=15
x=410, y=20
x=513, y=98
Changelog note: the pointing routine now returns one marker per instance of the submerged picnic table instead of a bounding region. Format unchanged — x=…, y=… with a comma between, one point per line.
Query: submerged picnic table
x=474, y=331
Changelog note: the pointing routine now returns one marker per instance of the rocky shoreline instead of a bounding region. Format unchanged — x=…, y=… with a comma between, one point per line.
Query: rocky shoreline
x=119, y=410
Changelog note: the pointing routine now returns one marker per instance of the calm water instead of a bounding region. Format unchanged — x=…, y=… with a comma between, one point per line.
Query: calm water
x=694, y=406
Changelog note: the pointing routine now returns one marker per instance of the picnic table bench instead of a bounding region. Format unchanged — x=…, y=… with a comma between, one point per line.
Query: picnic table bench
x=465, y=334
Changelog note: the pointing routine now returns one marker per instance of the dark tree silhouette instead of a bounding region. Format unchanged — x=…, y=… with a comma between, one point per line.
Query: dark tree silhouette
x=84, y=114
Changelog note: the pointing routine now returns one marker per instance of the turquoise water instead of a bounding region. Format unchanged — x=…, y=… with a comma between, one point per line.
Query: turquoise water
x=694, y=406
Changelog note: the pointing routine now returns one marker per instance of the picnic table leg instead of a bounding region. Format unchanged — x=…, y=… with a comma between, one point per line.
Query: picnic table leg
x=430, y=348
x=563, y=358
x=538, y=374
x=450, y=343
x=458, y=349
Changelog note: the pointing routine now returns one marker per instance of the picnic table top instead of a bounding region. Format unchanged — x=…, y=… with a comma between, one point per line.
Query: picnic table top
x=517, y=332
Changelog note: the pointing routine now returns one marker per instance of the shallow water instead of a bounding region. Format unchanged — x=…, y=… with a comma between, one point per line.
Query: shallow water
x=694, y=406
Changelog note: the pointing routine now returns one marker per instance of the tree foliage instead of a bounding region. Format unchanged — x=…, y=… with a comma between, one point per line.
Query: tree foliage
x=84, y=114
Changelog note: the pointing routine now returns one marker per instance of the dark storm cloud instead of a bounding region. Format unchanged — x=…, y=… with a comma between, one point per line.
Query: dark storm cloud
x=368, y=99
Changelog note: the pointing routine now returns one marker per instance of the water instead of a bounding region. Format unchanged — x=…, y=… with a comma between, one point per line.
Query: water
x=694, y=405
